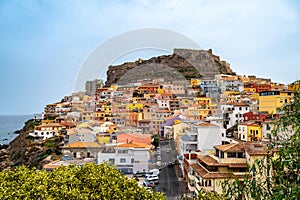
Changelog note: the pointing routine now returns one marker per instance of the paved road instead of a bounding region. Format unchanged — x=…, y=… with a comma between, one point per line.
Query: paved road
x=168, y=181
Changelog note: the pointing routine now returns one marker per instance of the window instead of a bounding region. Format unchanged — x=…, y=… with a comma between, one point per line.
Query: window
x=122, y=160
x=132, y=160
x=231, y=155
x=243, y=136
x=122, y=151
x=256, y=132
x=111, y=160
x=240, y=108
x=222, y=154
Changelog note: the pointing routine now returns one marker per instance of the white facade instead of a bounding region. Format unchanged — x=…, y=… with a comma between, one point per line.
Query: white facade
x=80, y=137
x=43, y=134
x=243, y=132
x=129, y=160
x=46, y=131
x=233, y=113
x=163, y=103
x=201, y=136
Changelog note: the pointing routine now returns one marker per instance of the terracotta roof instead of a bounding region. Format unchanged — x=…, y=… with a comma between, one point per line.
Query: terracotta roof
x=64, y=123
x=229, y=147
x=50, y=125
x=199, y=169
x=133, y=145
x=249, y=147
x=207, y=124
x=208, y=160
x=240, y=104
x=83, y=145
x=163, y=111
x=134, y=137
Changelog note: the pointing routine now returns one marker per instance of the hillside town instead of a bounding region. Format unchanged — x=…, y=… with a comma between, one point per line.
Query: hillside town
x=203, y=130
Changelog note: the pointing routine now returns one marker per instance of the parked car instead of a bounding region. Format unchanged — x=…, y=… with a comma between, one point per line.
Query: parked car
x=158, y=163
x=158, y=157
x=148, y=183
x=139, y=174
x=152, y=178
x=154, y=171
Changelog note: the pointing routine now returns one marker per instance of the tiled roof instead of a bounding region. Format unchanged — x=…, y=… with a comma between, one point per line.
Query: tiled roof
x=134, y=137
x=50, y=125
x=229, y=147
x=250, y=148
x=133, y=145
x=207, y=124
x=240, y=104
x=199, y=169
x=83, y=145
x=208, y=160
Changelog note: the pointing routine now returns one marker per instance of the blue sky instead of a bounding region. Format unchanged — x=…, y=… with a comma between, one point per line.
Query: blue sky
x=44, y=43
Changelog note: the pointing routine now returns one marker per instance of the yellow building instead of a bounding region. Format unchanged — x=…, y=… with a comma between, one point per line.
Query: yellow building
x=195, y=83
x=249, y=89
x=270, y=101
x=295, y=86
x=107, y=109
x=160, y=90
x=134, y=106
x=203, y=102
x=254, y=132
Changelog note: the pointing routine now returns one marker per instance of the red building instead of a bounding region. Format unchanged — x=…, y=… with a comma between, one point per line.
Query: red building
x=258, y=117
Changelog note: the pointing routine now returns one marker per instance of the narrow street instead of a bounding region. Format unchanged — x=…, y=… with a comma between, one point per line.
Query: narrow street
x=168, y=180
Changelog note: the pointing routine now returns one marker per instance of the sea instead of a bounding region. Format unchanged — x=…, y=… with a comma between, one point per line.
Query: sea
x=9, y=124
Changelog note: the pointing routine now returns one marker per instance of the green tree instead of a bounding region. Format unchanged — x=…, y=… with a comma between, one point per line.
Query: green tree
x=155, y=141
x=278, y=175
x=71, y=182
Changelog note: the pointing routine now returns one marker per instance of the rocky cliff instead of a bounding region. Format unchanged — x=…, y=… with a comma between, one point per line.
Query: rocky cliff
x=182, y=64
x=24, y=151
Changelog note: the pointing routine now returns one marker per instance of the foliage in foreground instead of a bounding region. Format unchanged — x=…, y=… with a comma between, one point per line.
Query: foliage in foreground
x=277, y=176
x=71, y=182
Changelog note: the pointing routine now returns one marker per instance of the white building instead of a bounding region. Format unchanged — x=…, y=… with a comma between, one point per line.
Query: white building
x=233, y=113
x=201, y=136
x=229, y=83
x=46, y=131
x=80, y=135
x=243, y=131
x=127, y=157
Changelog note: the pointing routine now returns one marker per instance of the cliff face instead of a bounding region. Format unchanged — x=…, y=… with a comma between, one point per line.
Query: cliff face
x=184, y=63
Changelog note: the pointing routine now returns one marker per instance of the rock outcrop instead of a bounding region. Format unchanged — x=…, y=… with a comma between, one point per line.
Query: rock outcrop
x=24, y=151
x=184, y=63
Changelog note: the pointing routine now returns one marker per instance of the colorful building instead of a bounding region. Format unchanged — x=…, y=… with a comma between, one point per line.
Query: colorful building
x=271, y=101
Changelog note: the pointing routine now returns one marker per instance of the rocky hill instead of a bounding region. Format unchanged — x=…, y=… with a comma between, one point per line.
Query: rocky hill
x=182, y=64
x=24, y=151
